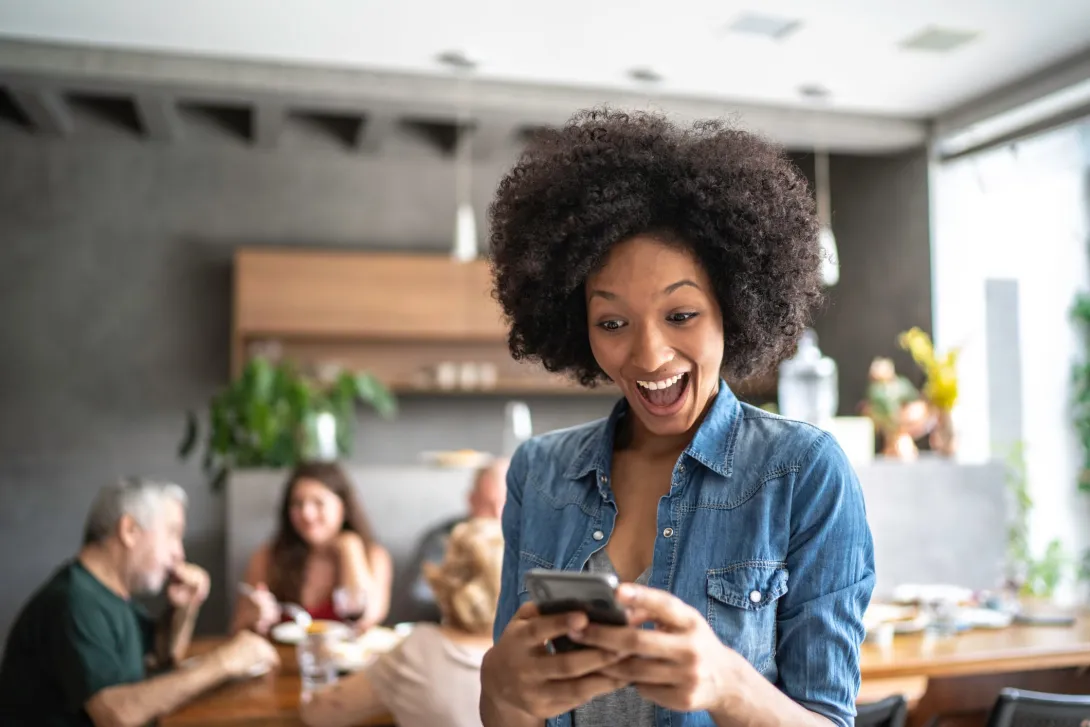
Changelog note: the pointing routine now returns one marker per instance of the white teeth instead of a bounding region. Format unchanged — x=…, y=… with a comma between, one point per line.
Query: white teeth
x=664, y=384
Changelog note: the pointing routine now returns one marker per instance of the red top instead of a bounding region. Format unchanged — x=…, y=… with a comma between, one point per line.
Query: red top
x=324, y=612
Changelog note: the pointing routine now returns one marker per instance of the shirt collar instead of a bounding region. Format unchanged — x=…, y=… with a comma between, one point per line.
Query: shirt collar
x=711, y=446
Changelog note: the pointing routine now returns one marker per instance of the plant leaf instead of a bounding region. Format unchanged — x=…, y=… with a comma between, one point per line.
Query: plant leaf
x=219, y=480
x=189, y=438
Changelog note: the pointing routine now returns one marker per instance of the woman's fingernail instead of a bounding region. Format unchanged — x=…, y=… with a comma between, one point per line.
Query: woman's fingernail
x=626, y=592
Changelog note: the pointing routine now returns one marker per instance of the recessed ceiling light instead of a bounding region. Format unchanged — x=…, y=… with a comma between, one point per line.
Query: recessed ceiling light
x=457, y=60
x=938, y=40
x=814, y=91
x=770, y=26
x=644, y=75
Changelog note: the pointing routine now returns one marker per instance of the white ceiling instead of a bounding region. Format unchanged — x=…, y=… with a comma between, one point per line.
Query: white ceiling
x=847, y=46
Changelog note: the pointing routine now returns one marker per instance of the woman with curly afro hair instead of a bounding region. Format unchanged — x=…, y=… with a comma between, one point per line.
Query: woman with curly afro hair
x=668, y=260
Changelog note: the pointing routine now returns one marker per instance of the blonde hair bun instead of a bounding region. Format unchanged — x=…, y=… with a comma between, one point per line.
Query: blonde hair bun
x=467, y=583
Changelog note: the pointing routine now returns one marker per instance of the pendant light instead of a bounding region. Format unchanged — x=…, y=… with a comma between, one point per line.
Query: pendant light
x=830, y=259
x=465, y=241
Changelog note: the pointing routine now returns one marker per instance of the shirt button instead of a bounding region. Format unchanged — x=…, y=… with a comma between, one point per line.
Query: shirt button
x=681, y=468
x=755, y=596
x=667, y=532
x=604, y=479
x=598, y=535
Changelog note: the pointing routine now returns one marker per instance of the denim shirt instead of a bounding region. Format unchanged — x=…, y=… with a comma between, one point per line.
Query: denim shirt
x=763, y=531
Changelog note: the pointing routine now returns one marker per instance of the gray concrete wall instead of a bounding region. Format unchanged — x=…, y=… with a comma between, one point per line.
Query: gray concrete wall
x=936, y=521
x=881, y=221
x=114, y=280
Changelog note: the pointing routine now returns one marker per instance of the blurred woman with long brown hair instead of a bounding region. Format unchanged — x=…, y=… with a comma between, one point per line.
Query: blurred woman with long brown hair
x=323, y=545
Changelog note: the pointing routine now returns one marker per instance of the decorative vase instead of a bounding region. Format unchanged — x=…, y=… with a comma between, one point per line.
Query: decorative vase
x=318, y=438
x=943, y=440
x=914, y=420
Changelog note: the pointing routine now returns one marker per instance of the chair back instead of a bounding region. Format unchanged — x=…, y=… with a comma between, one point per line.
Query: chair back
x=888, y=712
x=1023, y=708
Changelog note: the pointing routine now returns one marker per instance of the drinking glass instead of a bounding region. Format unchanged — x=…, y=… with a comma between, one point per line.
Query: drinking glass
x=317, y=667
x=350, y=604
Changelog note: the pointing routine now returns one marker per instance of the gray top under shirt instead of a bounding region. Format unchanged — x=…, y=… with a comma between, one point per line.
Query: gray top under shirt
x=624, y=706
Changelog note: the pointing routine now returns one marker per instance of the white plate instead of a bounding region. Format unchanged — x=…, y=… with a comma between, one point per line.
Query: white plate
x=931, y=593
x=290, y=632
x=358, y=653
x=457, y=459
x=983, y=618
x=257, y=670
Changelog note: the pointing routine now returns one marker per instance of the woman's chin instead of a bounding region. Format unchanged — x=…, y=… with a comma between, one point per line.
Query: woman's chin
x=317, y=540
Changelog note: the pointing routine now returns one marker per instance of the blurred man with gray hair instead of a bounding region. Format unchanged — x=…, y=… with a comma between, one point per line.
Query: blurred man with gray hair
x=485, y=500
x=80, y=649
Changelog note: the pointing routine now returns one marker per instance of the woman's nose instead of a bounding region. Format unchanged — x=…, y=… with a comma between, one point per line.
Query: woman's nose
x=650, y=350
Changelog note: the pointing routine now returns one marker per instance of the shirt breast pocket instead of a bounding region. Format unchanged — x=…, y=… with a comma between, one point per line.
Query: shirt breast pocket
x=742, y=600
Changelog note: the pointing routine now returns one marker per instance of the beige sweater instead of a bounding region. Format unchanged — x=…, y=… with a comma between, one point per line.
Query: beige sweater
x=430, y=681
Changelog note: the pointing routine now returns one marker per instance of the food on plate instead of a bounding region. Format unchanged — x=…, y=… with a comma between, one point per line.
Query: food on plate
x=353, y=654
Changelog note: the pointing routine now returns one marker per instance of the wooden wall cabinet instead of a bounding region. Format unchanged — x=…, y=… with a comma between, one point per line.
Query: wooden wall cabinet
x=364, y=296
x=401, y=317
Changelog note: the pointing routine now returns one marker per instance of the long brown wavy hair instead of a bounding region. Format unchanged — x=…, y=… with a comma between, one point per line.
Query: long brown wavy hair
x=289, y=550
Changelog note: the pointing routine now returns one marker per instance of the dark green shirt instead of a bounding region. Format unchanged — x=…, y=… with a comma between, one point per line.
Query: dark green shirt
x=74, y=638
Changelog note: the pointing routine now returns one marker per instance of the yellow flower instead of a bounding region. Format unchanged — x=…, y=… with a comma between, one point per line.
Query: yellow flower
x=941, y=388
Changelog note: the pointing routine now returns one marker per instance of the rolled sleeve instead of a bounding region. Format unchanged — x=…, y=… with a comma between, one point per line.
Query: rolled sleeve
x=831, y=578
x=512, y=525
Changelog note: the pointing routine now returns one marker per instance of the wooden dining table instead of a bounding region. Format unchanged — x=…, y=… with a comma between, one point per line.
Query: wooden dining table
x=267, y=701
x=952, y=680
x=962, y=674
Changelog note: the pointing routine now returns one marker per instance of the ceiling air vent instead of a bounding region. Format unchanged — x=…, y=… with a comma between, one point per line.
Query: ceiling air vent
x=768, y=26
x=938, y=40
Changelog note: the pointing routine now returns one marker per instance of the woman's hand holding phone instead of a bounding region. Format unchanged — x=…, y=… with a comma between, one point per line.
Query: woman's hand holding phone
x=680, y=664
x=520, y=672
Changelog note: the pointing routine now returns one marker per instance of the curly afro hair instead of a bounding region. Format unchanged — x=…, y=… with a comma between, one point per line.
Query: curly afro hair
x=732, y=198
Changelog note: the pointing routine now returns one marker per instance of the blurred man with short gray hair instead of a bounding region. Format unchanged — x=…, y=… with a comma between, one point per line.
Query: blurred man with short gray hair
x=79, y=651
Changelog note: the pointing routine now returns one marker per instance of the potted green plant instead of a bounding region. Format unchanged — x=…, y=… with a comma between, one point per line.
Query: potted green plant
x=275, y=415
x=1032, y=579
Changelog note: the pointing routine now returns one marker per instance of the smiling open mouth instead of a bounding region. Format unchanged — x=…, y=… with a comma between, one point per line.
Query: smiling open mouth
x=663, y=394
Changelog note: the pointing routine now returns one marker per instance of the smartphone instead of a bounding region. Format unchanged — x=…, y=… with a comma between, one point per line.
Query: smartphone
x=558, y=591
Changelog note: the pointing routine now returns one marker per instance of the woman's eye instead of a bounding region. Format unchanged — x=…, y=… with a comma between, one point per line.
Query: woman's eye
x=611, y=325
x=681, y=317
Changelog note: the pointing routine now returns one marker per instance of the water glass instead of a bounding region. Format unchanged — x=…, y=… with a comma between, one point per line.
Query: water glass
x=316, y=665
x=943, y=618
